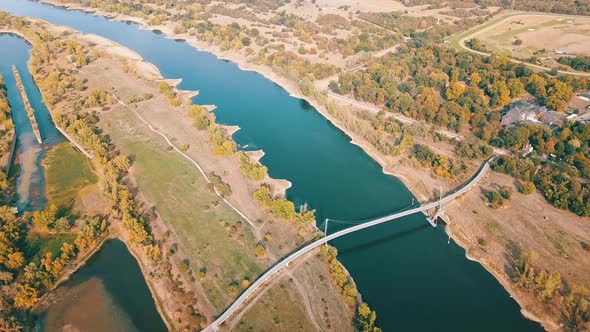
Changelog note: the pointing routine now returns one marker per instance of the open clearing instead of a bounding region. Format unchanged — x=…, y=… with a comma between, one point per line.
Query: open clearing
x=542, y=35
x=188, y=206
x=67, y=172
x=552, y=33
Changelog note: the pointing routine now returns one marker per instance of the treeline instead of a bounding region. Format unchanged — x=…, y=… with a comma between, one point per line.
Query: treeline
x=440, y=165
x=581, y=63
x=225, y=145
x=23, y=280
x=167, y=91
x=283, y=208
x=294, y=67
x=252, y=170
x=397, y=21
x=6, y=135
x=111, y=167
x=361, y=39
x=561, y=187
x=347, y=287
x=364, y=320
x=384, y=133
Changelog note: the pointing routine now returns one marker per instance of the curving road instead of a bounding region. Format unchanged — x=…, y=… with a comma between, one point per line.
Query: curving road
x=285, y=262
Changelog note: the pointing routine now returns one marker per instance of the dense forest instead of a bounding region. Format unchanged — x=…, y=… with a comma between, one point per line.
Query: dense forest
x=462, y=91
x=453, y=89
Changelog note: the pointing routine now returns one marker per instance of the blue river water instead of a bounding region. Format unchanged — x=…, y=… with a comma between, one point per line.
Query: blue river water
x=30, y=182
x=405, y=270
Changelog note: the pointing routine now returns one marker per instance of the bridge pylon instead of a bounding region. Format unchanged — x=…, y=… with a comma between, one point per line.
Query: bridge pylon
x=440, y=213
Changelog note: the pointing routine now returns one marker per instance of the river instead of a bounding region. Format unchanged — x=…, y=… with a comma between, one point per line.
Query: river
x=30, y=180
x=405, y=270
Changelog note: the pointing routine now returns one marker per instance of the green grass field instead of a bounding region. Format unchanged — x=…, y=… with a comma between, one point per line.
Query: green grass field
x=187, y=205
x=37, y=245
x=67, y=171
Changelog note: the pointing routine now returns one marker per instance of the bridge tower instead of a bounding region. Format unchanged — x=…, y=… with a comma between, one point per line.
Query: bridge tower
x=440, y=212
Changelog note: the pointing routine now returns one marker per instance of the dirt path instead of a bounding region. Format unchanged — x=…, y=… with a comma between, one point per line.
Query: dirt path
x=191, y=160
x=299, y=287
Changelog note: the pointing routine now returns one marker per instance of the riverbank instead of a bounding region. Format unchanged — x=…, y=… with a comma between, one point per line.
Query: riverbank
x=287, y=84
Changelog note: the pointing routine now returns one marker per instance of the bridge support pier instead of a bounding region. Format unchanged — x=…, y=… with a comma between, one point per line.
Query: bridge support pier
x=440, y=213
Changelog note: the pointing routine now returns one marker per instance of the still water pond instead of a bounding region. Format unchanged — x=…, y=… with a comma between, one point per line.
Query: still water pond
x=107, y=294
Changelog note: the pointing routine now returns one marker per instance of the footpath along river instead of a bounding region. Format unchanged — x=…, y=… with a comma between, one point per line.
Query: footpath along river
x=405, y=270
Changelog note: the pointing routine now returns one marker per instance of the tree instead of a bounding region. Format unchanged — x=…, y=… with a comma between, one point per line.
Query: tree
x=260, y=251
x=45, y=219
x=26, y=297
x=500, y=93
x=455, y=91
x=536, y=85
x=516, y=87
x=527, y=188
x=262, y=196
x=558, y=96
x=474, y=79
x=547, y=284
x=15, y=260
x=364, y=320
x=575, y=311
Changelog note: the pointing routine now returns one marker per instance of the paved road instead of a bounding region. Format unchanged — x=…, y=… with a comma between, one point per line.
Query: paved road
x=285, y=262
x=399, y=117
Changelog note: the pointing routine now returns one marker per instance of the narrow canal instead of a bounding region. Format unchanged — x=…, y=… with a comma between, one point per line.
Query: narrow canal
x=405, y=270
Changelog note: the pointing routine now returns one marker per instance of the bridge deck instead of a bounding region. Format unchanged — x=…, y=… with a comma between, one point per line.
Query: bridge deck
x=276, y=268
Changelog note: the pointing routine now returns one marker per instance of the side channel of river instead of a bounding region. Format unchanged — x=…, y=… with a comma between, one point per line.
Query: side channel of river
x=405, y=269
x=30, y=181
x=107, y=294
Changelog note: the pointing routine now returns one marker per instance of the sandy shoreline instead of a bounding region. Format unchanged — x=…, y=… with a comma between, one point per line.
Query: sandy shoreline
x=294, y=91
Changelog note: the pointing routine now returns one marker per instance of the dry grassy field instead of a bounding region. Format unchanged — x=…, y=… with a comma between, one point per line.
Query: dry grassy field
x=538, y=32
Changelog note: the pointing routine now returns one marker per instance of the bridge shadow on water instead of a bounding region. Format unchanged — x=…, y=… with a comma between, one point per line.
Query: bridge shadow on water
x=345, y=248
